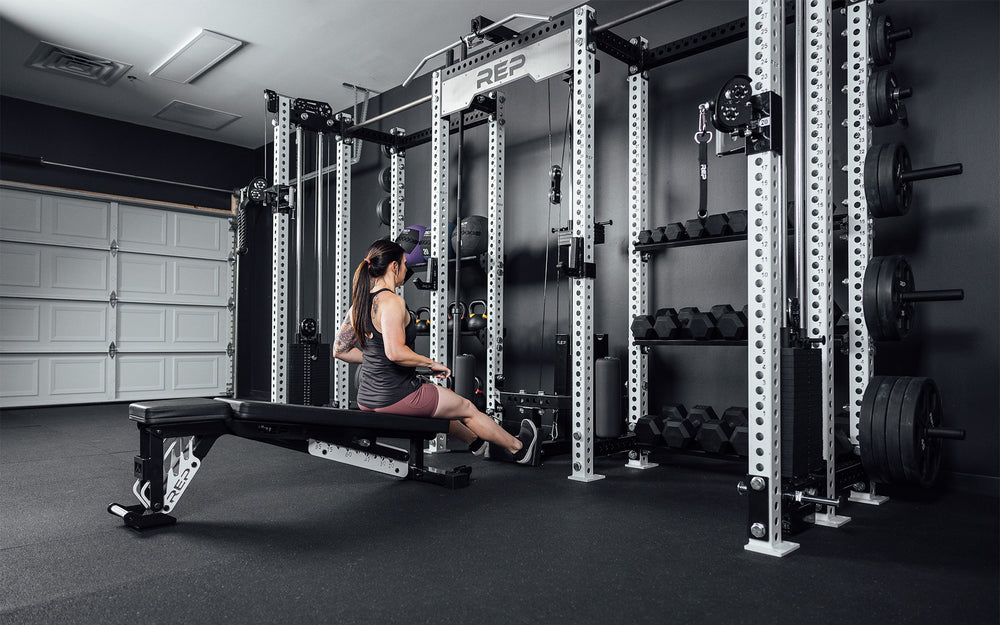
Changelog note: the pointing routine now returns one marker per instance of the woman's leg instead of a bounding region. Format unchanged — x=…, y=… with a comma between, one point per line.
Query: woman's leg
x=462, y=433
x=450, y=404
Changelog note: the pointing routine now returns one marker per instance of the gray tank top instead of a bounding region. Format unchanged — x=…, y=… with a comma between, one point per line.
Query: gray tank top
x=384, y=382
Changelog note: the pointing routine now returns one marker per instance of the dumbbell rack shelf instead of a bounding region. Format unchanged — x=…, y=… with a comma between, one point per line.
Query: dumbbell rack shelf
x=649, y=247
x=657, y=342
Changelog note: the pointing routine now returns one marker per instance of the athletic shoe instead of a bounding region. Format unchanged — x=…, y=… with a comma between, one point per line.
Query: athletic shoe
x=478, y=447
x=529, y=438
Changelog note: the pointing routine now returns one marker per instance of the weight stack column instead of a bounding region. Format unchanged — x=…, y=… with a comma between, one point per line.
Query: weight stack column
x=859, y=241
x=342, y=292
x=817, y=234
x=397, y=190
x=494, y=270
x=279, y=263
x=439, y=230
x=582, y=345
x=765, y=51
x=638, y=171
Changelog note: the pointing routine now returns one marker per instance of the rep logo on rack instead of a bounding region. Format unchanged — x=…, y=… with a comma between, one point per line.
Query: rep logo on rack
x=499, y=71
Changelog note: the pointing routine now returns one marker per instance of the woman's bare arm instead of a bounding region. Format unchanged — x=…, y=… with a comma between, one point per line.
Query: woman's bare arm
x=346, y=346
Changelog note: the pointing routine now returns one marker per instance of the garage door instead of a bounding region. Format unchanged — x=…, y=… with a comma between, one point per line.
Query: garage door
x=107, y=300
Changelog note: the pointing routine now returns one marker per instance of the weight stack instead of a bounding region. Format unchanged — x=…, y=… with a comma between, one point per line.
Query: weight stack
x=309, y=374
x=801, y=411
x=607, y=398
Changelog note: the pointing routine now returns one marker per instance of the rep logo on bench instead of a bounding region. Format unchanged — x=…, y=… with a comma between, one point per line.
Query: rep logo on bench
x=499, y=71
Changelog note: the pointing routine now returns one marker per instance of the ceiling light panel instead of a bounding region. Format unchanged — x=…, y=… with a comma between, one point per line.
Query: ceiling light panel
x=196, y=57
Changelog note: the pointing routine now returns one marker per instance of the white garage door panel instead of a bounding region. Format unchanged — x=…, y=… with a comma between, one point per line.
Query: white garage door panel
x=158, y=328
x=28, y=270
x=153, y=376
x=80, y=272
x=176, y=234
x=55, y=379
x=54, y=220
x=18, y=378
x=163, y=279
x=53, y=326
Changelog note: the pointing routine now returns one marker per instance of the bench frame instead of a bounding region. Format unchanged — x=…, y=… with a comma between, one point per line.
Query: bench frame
x=173, y=448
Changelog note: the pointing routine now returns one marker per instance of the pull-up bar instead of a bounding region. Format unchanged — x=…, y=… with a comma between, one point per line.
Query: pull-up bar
x=400, y=109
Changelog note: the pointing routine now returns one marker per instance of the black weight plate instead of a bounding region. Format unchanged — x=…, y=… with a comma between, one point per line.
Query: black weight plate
x=882, y=50
x=384, y=210
x=932, y=450
x=865, y=426
x=903, y=190
x=385, y=179
x=873, y=180
x=883, y=107
x=890, y=185
x=870, y=297
x=895, y=316
x=887, y=313
x=921, y=409
x=879, y=447
x=893, y=416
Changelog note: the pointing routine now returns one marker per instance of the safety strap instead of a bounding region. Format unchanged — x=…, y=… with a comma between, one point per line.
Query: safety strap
x=702, y=137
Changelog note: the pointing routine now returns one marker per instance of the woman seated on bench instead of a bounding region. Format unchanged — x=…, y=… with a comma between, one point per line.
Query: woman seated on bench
x=379, y=335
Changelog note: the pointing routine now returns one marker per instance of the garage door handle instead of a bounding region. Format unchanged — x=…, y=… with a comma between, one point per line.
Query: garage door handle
x=112, y=350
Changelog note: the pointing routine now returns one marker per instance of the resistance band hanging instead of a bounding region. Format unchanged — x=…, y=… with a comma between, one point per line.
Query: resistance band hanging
x=702, y=138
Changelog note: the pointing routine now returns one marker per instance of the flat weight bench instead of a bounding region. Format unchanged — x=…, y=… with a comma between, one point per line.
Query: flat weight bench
x=175, y=435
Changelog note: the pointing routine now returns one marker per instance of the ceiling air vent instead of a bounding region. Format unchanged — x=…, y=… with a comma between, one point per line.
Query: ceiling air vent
x=194, y=115
x=68, y=62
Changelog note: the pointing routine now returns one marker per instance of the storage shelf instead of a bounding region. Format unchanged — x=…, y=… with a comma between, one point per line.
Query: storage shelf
x=649, y=247
x=719, y=343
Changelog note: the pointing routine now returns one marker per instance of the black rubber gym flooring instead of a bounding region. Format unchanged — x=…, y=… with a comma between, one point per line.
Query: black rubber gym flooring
x=266, y=535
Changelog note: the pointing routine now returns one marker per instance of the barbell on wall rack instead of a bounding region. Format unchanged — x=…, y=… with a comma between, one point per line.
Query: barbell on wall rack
x=889, y=176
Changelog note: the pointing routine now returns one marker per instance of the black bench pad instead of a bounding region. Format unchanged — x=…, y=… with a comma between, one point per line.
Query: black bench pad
x=166, y=411
x=334, y=417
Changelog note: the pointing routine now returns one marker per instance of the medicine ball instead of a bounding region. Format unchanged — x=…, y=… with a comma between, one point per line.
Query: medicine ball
x=410, y=239
x=425, y=244
x=475, y=229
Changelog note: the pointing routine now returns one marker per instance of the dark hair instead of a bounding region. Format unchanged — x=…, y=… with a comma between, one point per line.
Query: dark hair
x=380, y=255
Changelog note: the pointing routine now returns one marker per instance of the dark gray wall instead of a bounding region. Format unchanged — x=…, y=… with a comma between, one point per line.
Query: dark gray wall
x=949, y=237
x=63, y=136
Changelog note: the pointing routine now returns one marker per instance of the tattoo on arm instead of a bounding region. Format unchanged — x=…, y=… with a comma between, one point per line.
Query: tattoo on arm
x=346, y=339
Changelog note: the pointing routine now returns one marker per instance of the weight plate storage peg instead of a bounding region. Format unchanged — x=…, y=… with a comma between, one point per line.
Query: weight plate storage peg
x=889, y=177
x=889, y=298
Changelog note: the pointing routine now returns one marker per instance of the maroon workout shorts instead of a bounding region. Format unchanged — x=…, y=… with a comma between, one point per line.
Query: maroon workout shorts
x=420, y=403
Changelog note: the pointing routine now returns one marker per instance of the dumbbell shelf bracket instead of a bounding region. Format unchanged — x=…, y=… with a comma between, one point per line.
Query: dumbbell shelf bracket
x=714, y=342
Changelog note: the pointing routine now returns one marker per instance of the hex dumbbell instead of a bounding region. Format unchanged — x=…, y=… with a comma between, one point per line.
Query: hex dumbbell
x=649, y=429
